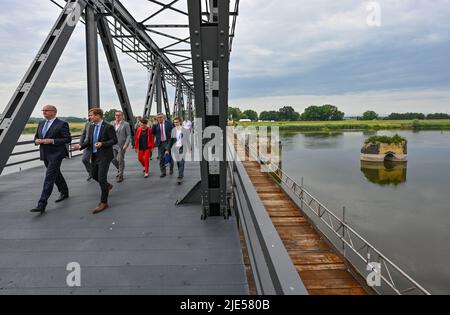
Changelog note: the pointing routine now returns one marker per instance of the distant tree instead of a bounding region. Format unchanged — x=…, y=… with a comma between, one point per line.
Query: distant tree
x=438, y=116
x=74, y=119
x=234, y=113
x=322, y=113
x=312, y=113
x=332, y=112
x=369, y=115
x=405, y=116
x=250, y=114
x=110, y=115
x=287, y=113
x=270, y=115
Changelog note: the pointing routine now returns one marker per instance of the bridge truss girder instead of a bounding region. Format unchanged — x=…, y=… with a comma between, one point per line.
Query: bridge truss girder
x=210, y=47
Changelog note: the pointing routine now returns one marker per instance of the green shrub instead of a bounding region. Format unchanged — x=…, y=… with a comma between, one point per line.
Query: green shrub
x=386, y=139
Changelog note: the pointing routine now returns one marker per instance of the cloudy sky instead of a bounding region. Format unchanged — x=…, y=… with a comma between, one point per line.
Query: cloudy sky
x=286, y=52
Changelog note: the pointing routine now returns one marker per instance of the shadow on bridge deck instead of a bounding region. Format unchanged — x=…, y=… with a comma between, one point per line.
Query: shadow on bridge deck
x=143, y=244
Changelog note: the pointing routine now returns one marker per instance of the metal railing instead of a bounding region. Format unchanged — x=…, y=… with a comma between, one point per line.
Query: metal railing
x=272, y=268
x=75, y=140
x=356, y=250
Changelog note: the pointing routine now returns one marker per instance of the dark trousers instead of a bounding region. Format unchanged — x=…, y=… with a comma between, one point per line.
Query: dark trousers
x=86, y=159
x=52, y=176
x=180, y=162
x=180, y=166
x=161, y=153
x=100, y=170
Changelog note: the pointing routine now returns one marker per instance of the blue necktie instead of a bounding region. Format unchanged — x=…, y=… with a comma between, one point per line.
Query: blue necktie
x=96, y=132
x=45, y=129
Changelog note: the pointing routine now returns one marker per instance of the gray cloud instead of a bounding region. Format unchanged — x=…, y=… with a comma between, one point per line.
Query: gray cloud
x=309, y=50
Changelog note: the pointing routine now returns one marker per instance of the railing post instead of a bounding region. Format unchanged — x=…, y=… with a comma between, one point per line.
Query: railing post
x=343, y=230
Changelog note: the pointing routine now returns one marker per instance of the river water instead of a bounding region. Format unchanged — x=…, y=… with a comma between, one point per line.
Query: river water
x=404, y=211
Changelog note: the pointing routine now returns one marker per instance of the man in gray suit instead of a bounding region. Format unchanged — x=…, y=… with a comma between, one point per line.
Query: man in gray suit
x=123, y=132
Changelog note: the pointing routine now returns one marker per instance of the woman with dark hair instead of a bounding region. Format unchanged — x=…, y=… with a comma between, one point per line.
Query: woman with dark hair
x=144, y=144
x=180, y=146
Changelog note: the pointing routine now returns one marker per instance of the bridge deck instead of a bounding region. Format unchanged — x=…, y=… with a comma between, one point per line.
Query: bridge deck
x=143, y=244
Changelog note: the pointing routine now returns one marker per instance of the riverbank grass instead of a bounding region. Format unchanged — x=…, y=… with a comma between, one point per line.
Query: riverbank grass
x=75, y=128
x=443, y=124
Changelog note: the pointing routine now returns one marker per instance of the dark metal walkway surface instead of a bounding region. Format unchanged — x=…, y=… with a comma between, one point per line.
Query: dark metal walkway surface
x=143, y=244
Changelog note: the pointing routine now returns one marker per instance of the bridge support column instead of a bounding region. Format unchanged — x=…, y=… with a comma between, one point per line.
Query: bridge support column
x=210, y=49
x=158, y=86
x=92, y=58
x=165, y=97
x=178, y=108
x=116, y=72
x=190, y=111
x=156, y=91
x=24, y=100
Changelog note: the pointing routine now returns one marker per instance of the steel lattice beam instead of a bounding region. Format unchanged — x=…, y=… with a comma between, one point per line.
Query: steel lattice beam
x=116, y=72
x=210, y=49
x=27, y=94
x=93, y=77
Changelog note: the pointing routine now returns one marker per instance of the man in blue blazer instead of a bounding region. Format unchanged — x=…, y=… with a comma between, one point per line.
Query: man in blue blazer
x=102, y=138
x=53, y=137
x=163, y=134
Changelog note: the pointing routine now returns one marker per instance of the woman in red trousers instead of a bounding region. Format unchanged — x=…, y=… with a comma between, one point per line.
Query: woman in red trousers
x=144, y=144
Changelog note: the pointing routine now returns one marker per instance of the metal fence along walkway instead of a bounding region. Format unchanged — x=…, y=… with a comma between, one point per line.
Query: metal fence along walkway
x=143, y=244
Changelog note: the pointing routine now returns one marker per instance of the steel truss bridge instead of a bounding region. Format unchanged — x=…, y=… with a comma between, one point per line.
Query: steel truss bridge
x=195, y=62
x=188, y=49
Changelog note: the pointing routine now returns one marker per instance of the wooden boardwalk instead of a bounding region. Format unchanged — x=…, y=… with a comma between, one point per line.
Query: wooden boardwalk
x=322, y=271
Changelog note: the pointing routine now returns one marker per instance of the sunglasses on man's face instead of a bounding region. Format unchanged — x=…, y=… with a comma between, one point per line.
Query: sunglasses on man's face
x=48, y=110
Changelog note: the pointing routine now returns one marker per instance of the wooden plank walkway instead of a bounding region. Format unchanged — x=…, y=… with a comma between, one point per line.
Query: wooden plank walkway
x=322, y=271
x=143, y=244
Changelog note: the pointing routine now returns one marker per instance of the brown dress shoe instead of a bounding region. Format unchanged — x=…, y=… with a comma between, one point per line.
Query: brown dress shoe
x=120, y=179
x=101, y=207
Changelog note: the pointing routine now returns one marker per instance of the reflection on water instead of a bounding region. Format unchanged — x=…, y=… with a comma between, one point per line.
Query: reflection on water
x=387, y=173
x=390, y=204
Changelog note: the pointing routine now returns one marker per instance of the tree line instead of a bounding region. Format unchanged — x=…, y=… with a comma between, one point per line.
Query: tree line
x=322, y=113
x=287, y=113
x=371, y=115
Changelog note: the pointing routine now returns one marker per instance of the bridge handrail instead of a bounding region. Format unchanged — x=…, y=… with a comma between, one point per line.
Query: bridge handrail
x=365, y=251
x=75, y=139
x=272, y=268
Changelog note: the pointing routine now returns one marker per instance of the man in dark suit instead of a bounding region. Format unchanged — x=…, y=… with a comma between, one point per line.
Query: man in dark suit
x=163, y=131
x=102, y=138
x=53, y=136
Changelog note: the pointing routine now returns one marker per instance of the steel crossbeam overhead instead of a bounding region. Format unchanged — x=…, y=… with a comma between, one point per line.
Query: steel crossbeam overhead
x=27, y=94
x=125, y=21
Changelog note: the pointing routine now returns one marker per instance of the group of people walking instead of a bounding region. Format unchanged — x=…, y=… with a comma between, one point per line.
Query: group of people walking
x=105, y=143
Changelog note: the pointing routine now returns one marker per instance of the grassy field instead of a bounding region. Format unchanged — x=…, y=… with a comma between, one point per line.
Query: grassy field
x=75, y=128
x=356, y=125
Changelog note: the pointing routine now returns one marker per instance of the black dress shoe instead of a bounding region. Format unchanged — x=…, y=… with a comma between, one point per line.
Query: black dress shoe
x=39, y=210
x=163, y=175
x=62, y=197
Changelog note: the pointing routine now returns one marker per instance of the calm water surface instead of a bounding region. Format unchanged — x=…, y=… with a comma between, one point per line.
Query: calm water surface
x=404, y=211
